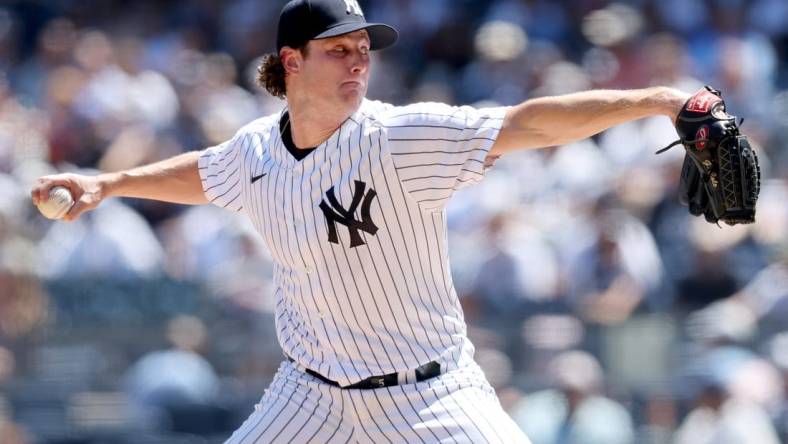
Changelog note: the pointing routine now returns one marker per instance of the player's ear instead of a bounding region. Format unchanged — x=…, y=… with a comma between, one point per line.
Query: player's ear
x=291, y=59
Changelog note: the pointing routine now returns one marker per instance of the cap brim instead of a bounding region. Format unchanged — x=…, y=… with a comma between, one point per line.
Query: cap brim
x=380, y=36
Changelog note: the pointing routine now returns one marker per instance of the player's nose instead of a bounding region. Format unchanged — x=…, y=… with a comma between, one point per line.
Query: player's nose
x=359, y=63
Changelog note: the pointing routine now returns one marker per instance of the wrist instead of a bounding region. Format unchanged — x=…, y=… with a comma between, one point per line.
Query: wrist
x=109, y=184
x=672, y=102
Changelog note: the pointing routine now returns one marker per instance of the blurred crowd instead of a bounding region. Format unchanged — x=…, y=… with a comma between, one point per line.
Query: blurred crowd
x=601, y=310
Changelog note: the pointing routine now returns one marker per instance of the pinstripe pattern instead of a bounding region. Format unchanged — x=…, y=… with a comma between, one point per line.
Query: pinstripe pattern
x=381, y=303
x=385, y=306
x=296, y=409
x=456, y=407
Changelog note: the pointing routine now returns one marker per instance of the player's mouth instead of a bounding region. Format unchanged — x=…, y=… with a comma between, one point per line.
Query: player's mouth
x=352, y=84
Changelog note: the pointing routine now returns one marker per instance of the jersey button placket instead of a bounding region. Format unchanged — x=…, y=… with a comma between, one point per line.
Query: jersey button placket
x=296, y=171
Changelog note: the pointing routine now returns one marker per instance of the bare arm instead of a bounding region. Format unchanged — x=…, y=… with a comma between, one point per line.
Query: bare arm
x=552, y=121
x=176, y=180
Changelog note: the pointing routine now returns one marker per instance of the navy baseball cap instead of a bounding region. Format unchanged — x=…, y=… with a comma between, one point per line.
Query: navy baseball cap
x=305, y=20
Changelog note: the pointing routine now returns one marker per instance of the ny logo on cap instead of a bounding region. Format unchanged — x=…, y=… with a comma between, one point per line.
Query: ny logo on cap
x=353, y=7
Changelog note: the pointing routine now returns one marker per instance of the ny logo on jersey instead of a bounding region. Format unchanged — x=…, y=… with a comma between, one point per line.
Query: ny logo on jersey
x=353, y=7
x=336, y=213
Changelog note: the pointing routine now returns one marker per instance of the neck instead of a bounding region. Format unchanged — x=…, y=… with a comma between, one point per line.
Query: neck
x=312, y=124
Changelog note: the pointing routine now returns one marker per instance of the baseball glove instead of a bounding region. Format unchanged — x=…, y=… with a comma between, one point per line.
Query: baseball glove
x=720, y=178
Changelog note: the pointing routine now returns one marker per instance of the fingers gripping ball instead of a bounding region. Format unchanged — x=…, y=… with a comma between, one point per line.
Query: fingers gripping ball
x=57, y=204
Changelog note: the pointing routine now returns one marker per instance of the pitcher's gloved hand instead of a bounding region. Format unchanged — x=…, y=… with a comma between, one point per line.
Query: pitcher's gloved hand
x=720, y=178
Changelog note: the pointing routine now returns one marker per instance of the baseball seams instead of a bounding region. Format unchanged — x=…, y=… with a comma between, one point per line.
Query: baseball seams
x=57, y=204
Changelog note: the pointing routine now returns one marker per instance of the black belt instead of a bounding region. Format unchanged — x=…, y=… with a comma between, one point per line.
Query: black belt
x=423, y=373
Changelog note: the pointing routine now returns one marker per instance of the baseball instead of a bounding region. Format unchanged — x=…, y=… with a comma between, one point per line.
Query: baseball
x=58, y=203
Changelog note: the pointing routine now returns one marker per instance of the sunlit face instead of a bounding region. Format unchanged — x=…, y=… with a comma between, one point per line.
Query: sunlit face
x=336, y=70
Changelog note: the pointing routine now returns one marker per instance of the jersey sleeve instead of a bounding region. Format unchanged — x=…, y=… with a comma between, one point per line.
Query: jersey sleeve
x=438, y=149
x=220, y=172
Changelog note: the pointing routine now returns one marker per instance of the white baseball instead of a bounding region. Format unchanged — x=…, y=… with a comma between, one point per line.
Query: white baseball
x=58, y=203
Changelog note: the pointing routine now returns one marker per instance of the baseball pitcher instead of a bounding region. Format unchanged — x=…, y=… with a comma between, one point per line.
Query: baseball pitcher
x=349, y=196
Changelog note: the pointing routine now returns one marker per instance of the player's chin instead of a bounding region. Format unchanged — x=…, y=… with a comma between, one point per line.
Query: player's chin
x=352, y=97
x=353, y=89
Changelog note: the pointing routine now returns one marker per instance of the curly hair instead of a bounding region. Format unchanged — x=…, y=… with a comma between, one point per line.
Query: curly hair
x=271, y=73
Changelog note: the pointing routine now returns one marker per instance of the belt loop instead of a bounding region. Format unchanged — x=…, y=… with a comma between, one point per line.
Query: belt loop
x=407, y=377
x=412, y=379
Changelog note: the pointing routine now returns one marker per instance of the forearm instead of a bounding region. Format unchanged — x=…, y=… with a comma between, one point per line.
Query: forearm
x=551, y=121
x=176, y=180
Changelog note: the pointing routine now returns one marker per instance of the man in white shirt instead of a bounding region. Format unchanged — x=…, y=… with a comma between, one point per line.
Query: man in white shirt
x=349, y=195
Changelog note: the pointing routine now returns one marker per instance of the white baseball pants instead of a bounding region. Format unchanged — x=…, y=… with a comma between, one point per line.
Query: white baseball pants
x=456, y=407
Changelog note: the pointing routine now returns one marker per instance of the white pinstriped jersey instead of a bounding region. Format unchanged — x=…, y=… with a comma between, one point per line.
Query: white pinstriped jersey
x=357, y=231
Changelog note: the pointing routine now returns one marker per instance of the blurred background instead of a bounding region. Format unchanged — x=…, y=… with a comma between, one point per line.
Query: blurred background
x=601, y=311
